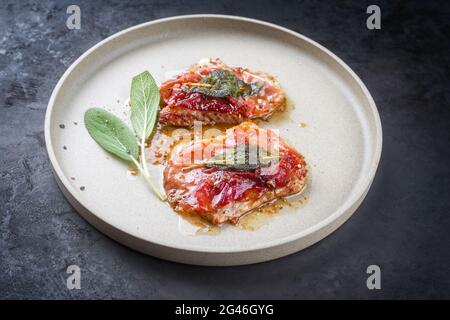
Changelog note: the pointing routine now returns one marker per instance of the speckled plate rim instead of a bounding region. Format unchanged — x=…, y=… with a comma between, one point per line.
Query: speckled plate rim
x=291, y=244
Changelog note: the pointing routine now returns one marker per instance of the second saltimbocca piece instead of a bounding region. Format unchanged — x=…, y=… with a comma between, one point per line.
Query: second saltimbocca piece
x=214, y=93
x=237, y=173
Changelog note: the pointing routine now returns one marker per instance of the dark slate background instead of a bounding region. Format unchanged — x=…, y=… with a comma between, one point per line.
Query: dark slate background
x=403, y=225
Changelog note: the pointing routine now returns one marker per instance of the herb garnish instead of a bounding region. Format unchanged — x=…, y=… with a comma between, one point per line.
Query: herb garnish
x=144, y=100
x=222, y=83
x=115, y=137
x=111, y=134
x=243, y=157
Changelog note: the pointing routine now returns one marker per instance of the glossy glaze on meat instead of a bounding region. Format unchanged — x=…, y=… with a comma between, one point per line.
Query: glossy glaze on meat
x=181, y=108
x=220, y=195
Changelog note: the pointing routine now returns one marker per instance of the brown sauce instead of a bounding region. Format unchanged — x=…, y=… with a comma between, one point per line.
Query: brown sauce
x=263, y=215
x=203, y=226
x=134, y=171
x=250, y=222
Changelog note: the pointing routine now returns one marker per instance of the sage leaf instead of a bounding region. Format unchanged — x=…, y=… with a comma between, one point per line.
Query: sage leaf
x=243, y=158
x=111, y=133
x=144, y=99
x=255, y=87
x=225, y=83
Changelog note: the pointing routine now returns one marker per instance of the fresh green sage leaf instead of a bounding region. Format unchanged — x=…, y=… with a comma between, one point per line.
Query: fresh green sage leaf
x=144, y=100
x=111, y=133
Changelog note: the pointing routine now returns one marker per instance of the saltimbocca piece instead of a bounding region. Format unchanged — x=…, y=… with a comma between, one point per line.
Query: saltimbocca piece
x=212, y=92
x=236, y=173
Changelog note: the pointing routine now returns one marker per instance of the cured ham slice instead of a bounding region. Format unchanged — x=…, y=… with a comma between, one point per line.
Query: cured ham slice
x=212, y=92
x=221, y=190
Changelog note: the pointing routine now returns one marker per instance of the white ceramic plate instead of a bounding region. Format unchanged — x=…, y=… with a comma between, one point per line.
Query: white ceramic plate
x=341, y=141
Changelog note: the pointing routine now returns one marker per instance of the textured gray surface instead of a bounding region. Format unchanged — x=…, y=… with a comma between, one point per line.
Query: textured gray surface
x=403, y=225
